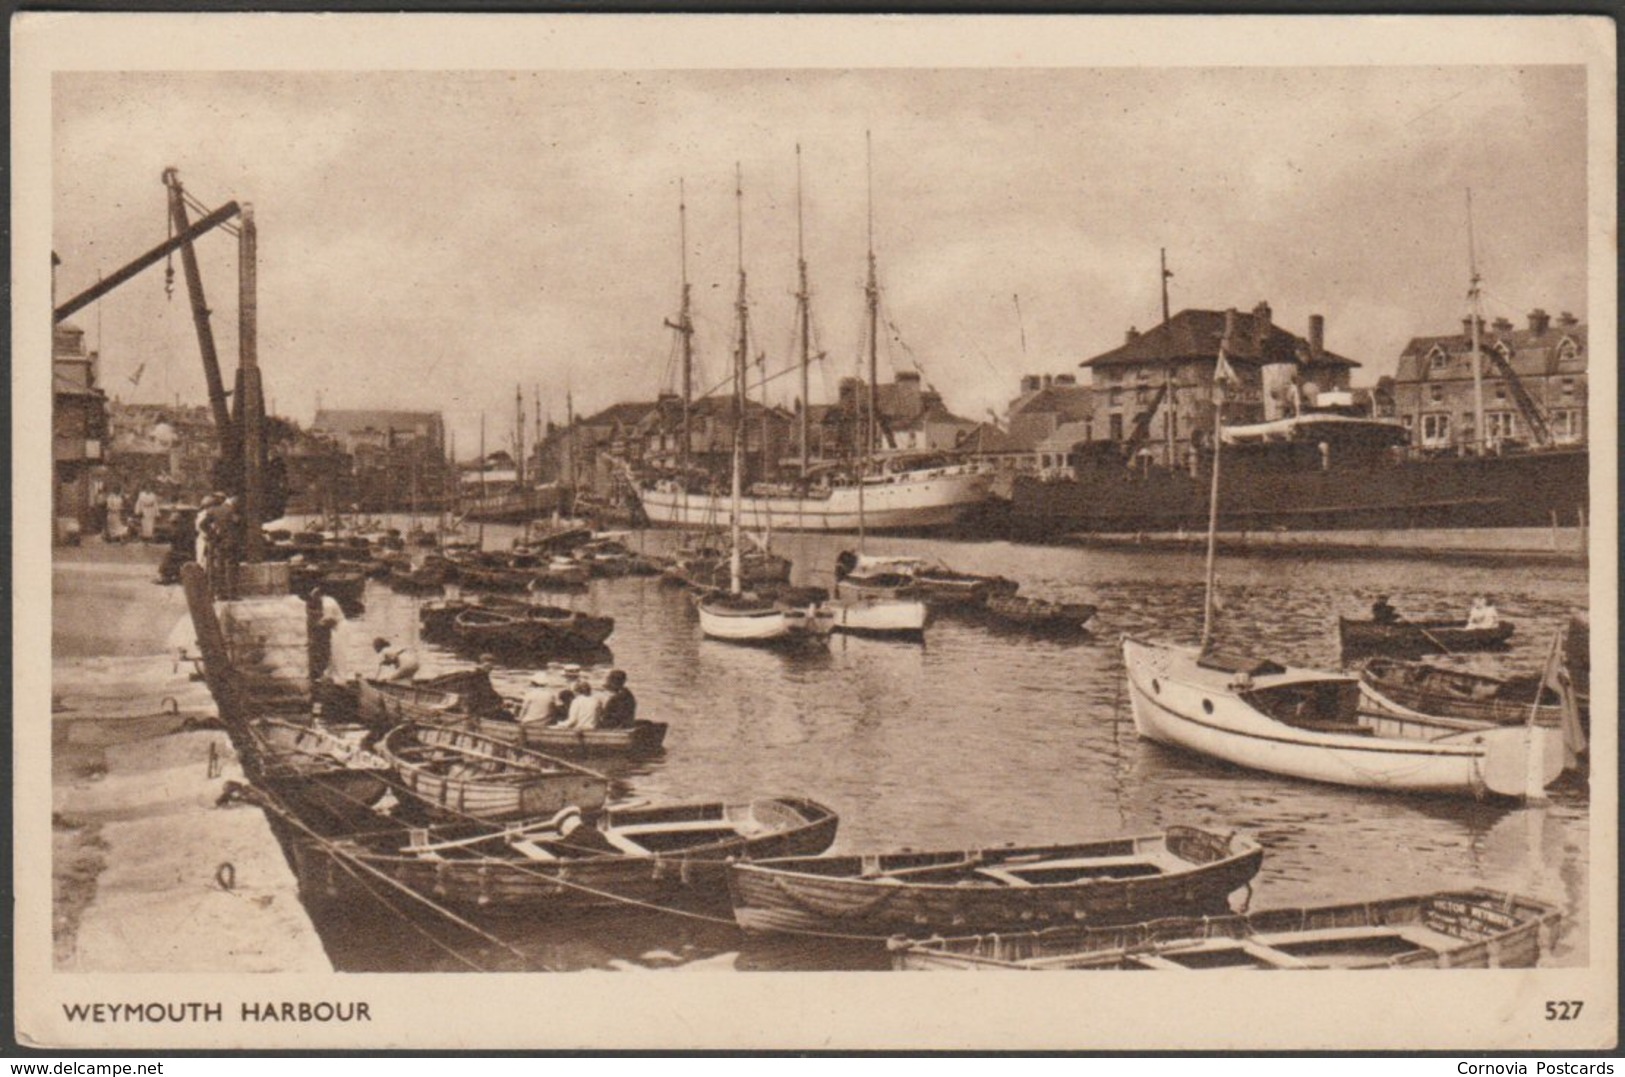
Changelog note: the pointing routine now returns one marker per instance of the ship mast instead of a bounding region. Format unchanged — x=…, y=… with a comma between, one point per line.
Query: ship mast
x=684, y=325
x=803, y=301
x=1476, y=314
x=1221, y=378
x=871, y=296
x=1170, y=401
x=735, y=567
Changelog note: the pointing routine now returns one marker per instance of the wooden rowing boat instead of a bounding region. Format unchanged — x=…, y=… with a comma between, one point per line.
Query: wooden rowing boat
x=1417, y=638
x=675, y=854
x=462, y=775
x=1449, y=929
x=640, y=738
x=1300, y=723
x=1413, y=688
x=1039, y=614
x=1182, y=870
x=535, y=629
x=325, y=769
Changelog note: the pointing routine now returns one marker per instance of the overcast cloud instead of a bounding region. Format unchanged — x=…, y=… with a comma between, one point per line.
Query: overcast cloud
x=430, y=240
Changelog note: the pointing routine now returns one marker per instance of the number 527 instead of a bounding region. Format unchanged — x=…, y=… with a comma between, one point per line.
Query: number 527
x=1563, y=1011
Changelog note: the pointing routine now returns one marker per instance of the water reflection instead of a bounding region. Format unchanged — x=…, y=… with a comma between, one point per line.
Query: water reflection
x=980, y=738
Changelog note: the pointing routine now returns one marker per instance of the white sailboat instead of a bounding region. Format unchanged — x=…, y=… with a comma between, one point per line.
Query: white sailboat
x=737, y=616
x=862, y=612
x=1299, y=723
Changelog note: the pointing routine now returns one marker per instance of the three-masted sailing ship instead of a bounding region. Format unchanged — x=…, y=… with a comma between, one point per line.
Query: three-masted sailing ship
x=900, y=493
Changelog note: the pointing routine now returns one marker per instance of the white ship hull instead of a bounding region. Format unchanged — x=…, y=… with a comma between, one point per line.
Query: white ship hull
x=900, y=617
x=763, y=626
x=1175, y=702
x=907, y=502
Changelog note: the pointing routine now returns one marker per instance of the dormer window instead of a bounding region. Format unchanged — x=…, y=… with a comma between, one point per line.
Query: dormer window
x=1437, y=358
x=1568, y=350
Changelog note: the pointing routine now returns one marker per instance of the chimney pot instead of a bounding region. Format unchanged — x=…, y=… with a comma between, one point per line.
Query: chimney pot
x=1048, y=381
x=1263, y=313
x=1567, y=320
x=1502, y=325
x=1539, y=320
x=1317, y=335
x=1131, y=336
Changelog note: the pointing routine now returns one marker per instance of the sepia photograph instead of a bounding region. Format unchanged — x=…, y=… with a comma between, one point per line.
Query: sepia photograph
x=690, y=532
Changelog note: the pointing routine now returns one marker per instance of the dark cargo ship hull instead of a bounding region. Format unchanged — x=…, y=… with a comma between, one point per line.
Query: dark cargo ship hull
x=1533, y=489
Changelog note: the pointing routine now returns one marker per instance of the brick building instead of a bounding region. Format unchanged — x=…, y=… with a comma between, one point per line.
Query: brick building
x=1433, y=385
x=1157, y=387
x=78, y=431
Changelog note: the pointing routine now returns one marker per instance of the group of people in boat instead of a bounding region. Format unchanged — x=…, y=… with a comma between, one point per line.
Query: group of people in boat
x=1482, y=615
x=578, y=706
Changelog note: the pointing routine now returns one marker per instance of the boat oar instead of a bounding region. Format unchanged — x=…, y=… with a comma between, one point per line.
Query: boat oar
x=1431, y=638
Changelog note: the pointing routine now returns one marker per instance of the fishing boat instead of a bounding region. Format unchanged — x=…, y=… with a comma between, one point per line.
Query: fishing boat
x=1419, y=688
x=1039, y=614
x=462, y=775
x=1117, y=879
x=1416, y=638
x=672, y=854
x=1450, y=929
x=1258, y=714
x=426, y=578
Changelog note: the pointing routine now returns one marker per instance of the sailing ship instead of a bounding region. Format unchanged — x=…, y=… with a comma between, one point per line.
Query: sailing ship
x=902, y=494
x=736, y=615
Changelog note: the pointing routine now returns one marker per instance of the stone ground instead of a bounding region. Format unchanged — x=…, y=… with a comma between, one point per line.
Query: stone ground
x=138, y=845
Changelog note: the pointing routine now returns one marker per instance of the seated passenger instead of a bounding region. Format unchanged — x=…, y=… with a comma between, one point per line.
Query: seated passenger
x=1382, y=613
x=1483, y=614
x=621, y=707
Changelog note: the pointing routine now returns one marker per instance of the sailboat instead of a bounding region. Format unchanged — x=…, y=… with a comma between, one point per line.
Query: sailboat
x=1263, y=715
x=739, y=616
x=912, y=495
x=861, y=611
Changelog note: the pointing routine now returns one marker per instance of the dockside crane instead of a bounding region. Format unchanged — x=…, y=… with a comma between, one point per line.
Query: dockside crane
x=245, y=468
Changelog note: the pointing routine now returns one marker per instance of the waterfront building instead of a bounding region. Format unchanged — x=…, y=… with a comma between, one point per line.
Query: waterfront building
x=1155, y=391
x=398, y=456
x=1433, y=385
x=78, y=432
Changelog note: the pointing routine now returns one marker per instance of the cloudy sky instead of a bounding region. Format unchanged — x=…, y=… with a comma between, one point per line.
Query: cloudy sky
x=431, y=240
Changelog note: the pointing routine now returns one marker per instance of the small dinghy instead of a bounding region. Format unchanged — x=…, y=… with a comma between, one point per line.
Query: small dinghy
x=1038, y=614
x=671, y=854
x=1417, y=638
x=1451, y=929
x=1412, y=688
x=1128, y=878
x=640, y=738
x=462, y=775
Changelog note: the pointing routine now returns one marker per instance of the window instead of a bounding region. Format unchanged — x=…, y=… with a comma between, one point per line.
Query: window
x=1140, y=394
x=1435, y=429
x=1409, y=421
x=1437, y=358
x=1117, y=427
x=1500, y=390
x=1143, y=374
x=1500, y=424
x=1115, y=397
x=1436, y=393
x=1568, y=387
x=1568, y=351
x=1568, y=425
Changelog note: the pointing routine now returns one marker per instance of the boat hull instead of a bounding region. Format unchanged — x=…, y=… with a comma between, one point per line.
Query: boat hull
x=881, y=618
x=1450, y=929
x=1109, y=881
x=1268, y=490
x=1416, y=638
x=460, y=775
x=913, y=504
x=762, y=626
x=694, y=875
x=1172, y=707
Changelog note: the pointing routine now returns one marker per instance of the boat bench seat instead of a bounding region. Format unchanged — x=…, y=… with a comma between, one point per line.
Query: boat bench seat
x=1011, y=874
x=531, y=850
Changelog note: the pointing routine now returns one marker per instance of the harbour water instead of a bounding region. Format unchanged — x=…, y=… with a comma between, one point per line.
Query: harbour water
x=979, y=738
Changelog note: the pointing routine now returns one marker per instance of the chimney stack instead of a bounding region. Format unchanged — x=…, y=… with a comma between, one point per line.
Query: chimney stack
x=1263, y=316
x=1030, y=383
x=1501, y=325
x=1131, y=336
x=1539, y=321
x=1567, y=320
x=1467, y=326
x=1317, y=335
x=1048, y=380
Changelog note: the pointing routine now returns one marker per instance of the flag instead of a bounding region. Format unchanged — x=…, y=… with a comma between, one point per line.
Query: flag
x=1557, y=678
x=1224, y=375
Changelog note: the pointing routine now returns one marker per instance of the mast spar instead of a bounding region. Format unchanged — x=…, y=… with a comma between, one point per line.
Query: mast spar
x=1476, y=314
x=871, y=295
x=803, y=300
x=735, y=566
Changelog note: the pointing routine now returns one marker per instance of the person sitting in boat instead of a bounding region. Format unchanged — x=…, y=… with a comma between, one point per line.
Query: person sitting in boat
x=394, y=663
x=1382, y=613
x=1483, y=614
x=585, y=709
x=539, y=703
x=621, y=706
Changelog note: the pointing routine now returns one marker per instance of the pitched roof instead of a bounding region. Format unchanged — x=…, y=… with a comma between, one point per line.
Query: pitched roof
x=1065, y=438
x=362, y=421
x=1071, y=402
x=986, y=438
x=1195, y=334
x=1531, y=354
x=627, y=413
